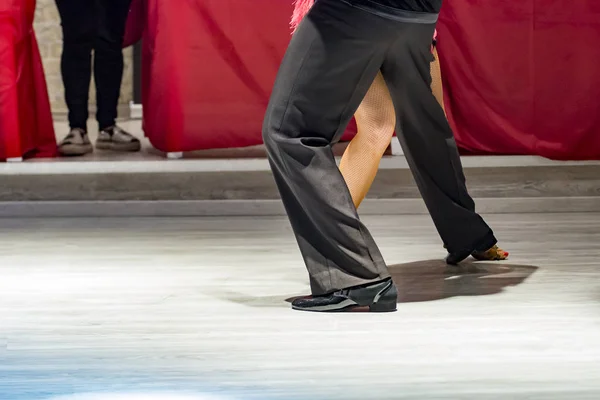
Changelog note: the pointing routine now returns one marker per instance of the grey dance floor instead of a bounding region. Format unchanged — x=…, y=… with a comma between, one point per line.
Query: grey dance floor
x=196, y=308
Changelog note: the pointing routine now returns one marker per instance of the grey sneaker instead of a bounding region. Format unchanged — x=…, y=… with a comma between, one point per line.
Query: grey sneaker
x=76, y=143
x=116, y=139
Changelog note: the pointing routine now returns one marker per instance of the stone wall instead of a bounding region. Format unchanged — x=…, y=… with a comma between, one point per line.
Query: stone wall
x=49, y=35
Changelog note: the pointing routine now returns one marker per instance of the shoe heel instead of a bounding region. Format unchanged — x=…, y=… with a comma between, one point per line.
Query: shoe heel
x=457, y=258
x=387, y=306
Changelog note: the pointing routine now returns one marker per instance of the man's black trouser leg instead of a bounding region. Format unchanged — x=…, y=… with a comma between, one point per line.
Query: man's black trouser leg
x=330, y=64
x=429, y=145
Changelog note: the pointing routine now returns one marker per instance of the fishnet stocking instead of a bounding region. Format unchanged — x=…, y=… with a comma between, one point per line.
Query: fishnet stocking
x=376, y=121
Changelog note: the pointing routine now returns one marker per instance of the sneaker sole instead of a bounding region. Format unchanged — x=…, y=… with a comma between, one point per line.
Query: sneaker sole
x=75, y=150
x=123, y=147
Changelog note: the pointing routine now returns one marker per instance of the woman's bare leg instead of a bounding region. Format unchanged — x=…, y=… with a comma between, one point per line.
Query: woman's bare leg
x=376, y=120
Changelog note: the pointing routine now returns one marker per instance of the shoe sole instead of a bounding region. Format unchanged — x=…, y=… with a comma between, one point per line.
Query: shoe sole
x=75, y=150
x=377, y=307
x=122, y=147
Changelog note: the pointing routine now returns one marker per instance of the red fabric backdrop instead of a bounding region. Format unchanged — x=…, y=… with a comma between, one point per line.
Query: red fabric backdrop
x=208, y=68
x=521, y=76
x=25, y=118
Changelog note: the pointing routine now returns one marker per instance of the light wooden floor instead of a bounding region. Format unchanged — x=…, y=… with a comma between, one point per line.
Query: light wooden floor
x=198, y=306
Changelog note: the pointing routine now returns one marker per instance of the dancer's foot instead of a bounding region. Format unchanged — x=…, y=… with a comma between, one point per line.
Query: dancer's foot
x=376, y=297
x=484, y=245
x=493, y=254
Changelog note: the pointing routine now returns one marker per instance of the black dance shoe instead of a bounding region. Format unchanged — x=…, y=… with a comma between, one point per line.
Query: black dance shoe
x=375, y=297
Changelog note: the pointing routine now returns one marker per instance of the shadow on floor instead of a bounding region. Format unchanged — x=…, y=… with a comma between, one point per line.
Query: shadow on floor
x=427, y=281
x=434, y=280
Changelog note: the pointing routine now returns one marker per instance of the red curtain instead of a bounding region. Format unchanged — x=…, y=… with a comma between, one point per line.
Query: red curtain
x=135, y=23
x=25, y=118
x=208, y=68
x=521, y=76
